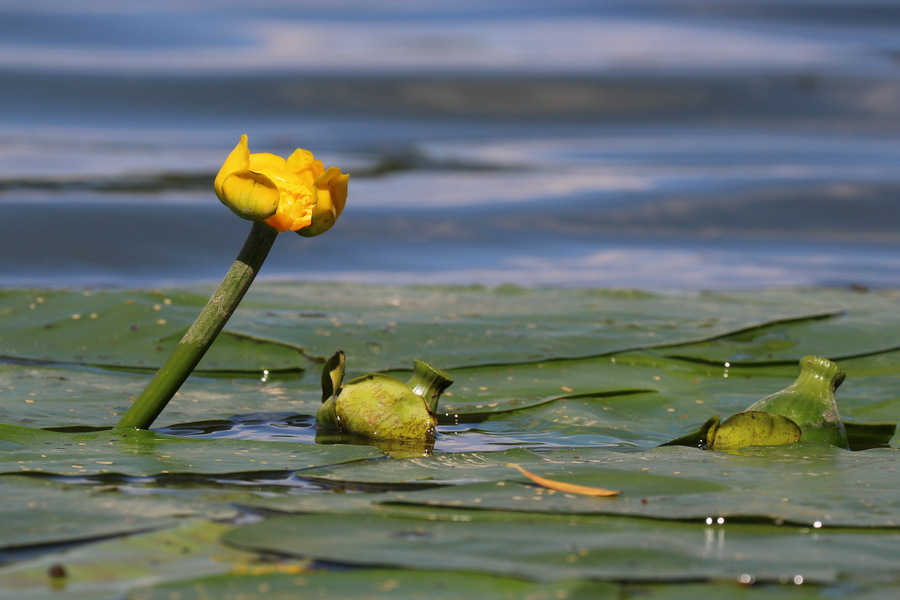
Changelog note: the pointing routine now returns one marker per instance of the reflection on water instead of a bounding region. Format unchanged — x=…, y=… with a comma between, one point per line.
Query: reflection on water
x=485, y=436
x=674, y=145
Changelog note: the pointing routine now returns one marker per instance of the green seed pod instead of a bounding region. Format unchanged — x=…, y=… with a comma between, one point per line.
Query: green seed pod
x=379, y=406
x=809, y=402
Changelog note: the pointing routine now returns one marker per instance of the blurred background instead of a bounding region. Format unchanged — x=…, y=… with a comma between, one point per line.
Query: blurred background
x=663, y=145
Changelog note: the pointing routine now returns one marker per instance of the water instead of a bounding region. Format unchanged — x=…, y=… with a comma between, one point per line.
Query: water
x=484, y=436
x=656, y=145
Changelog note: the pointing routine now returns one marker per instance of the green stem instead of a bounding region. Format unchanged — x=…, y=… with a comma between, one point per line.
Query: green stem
x=203, y=332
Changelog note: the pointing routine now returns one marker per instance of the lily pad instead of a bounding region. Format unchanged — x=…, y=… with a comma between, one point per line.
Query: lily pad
x=111, y=568
x=27, y=450
x=131, y=330
x=804, y=484
x=577, y=386
x=386, y=584
x=552, y=548
x=38, y=511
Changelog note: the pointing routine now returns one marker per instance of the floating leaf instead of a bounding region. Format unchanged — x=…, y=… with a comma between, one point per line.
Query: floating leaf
x=386, y=584
x=40, y=512
x=107, y=569
x=589, y=380
x=387, y=327
x=28, y=450
x=549, y=547
x=127, y=329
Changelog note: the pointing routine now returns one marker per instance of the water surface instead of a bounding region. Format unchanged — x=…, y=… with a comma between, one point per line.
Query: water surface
x=656, y=145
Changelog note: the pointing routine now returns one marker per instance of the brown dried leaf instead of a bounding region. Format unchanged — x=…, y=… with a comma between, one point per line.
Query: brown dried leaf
x=561, y=486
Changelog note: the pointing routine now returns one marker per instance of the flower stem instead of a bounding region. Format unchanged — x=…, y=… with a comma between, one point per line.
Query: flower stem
x=203, y=332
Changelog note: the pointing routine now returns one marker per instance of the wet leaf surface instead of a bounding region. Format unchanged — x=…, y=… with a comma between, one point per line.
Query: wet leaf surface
x=109, y=568
x=146, y=453
x=553, y=548
x=576, y=386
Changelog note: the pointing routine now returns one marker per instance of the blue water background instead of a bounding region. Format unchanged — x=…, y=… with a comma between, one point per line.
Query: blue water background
x=668, y=145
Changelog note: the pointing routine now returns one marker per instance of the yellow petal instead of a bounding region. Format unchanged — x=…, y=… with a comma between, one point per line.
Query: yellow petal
x=302, y=162
x=250, y=195
x=331, y=196
x=238, y=160
x=264, y=161
x=561, y=486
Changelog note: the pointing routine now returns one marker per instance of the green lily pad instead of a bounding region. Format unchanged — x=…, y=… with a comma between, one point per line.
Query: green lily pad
x=555, y=548
x=38, y=511
x=804, y=484
x=372, y=584
x=28, y=450
x=111, y=568
x=385, y=327
x=853, y=325
x=132, y=330
x=576, y=386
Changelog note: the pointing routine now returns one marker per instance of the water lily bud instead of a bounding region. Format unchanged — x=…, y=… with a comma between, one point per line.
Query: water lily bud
x=296, y=194
x=380, y=406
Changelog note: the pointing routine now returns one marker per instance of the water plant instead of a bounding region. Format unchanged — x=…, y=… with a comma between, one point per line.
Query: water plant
x=379, y=406
x=806, y=410
x=294, y=194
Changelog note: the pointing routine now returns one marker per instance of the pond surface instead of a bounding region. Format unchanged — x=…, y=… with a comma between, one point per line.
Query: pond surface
x=665, y=146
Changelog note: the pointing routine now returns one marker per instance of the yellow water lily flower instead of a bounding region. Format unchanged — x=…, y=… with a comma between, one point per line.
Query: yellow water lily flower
x=297, y=194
